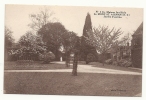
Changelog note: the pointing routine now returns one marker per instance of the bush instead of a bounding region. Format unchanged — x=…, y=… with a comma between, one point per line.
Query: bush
x=115, y=63
x=125, y=63
x=109, y=61
x=90, y=58
x=120, y=63
x=128, y=64
x=47, y=57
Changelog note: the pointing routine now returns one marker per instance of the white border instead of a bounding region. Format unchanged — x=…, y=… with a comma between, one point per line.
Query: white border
x=98, y=3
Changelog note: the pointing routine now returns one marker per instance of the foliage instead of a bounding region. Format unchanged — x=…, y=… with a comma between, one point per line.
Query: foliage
x=47, y=57
x=69, y=40
x=102, y=38
x=9, y=41
x=30, y=40
x=12, y=55
x=109, y=61
x=8, y=37
x=87, y=26
x=90, y=58
x=124, y=63
x=30, y=46
x=51, y=34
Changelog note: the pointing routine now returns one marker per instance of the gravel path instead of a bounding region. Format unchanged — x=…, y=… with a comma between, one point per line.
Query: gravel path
x=83, y=69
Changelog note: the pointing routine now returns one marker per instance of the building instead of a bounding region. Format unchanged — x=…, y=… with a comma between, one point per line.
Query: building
x=136, y=47
x=118, y=53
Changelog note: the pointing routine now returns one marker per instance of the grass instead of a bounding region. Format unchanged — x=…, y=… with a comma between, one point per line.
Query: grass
x=55, y=83
x=100, y=65
x=33, y=66
x=39, y=66
x=65, y=84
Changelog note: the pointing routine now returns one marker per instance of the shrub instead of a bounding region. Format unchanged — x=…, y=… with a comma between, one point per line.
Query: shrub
x=120, y=62
x=125, y=63
x=128, y=64
x=109, y=61
x=115, y=63
x=90, y=58
x=47, y=57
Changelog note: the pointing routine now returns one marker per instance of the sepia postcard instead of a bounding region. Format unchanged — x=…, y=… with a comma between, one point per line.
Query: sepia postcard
x=73, y=50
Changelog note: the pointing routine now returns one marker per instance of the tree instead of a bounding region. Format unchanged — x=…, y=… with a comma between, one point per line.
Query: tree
x=85, y=47
x=102, y=38
x=9, y=40
x=72, y=43
x=69, y=41
x=87, y=25
x=40, y=19
x=30, y=46
x=51, y=34
x=76, y=50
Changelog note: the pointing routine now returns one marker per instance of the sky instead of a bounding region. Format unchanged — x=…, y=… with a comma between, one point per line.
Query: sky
x=72, y=17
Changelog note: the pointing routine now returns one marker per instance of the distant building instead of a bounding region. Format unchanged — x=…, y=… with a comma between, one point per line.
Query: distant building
x=118, y=53
x=136, y=47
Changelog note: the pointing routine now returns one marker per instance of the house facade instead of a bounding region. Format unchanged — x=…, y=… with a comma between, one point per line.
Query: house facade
x=136, y=47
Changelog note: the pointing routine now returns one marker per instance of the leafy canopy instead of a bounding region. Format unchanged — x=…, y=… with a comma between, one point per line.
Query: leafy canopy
x=103, y=38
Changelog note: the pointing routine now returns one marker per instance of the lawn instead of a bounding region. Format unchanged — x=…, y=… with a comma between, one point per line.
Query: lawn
x=14, y=65
x=53, y=83
x=100, y=65
x=53, y=65
x=56, y=83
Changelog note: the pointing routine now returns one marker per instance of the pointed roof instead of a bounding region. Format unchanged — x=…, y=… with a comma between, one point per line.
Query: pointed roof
x=139, y=30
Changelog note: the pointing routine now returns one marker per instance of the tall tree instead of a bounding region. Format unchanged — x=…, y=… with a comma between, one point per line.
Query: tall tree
x=40, y=19
x=69, y=41
x=51, y=34
x=76, y=50
x=9, y=40
x=102, y=38
x=8, y=37
x=87, y=26
x=72, y=43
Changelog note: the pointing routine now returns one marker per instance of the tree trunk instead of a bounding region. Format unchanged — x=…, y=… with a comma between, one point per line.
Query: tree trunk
x=75, y=64
x=56, y=54
x=67, y=59
x=103, y=59
x=86, y=59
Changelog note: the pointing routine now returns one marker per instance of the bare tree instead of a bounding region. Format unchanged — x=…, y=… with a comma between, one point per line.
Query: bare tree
x=103, y=38
x=40, y=19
